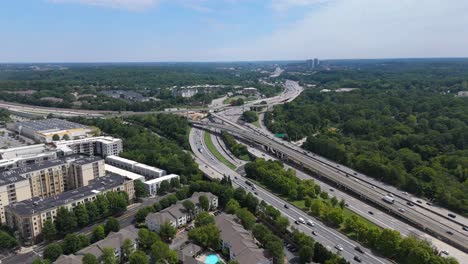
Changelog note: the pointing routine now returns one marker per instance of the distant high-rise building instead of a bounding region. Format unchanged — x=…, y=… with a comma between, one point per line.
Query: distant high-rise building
x=316, y=63
x=310, y=64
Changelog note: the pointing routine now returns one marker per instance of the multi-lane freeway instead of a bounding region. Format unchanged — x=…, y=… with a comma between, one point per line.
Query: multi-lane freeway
x=325, y=235
x=425, y=221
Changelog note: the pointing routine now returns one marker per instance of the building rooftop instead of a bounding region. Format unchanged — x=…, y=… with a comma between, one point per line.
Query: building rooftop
x=28, y=207
x=241, y=241
x=124, y=173
x=81, y=159
x=49, y=124
x=14, y=175
x=114, y=240
x=69, y=259
x=86, y=140
x=161, y=179
x=124, y=160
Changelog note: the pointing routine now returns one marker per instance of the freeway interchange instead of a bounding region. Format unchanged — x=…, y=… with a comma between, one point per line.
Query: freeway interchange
x=326, y=236
x=429, y=222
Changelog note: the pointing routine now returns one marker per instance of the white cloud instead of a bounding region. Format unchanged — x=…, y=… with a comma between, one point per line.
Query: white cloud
x=133, y=5
x=364, y=29
x=284, y=5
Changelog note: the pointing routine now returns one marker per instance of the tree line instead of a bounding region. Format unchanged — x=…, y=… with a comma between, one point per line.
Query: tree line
x=331, y=211
x=403, y=126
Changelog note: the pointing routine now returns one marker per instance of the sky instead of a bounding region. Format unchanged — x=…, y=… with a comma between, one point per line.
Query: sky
x=230, y=30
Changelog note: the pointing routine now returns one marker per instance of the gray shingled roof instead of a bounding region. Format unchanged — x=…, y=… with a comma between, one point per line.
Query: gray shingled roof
x=241, y=241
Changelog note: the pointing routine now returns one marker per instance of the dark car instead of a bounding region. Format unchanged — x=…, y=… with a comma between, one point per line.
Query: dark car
x=358, y=259
x=409, y=203
x=370, y=212
x=286, y=206
x=450, y=232
x=452, y=215
x=418, y=201
x=314, y=233
x=359, y=249
x=296, y=222
x=465, y=228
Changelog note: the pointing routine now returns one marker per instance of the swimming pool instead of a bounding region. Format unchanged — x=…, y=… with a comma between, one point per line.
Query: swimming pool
x=211, y=259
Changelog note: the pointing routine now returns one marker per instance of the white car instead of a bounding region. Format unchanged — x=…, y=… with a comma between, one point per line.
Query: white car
x=310, y=222
x=444, y=252
x=339, y=247
x=301, y=220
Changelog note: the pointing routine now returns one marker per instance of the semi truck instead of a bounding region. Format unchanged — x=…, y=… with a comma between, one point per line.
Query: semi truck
x=388, y=199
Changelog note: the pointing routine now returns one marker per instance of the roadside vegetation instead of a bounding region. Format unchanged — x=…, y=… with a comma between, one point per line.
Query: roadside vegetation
x=239, y=150
x=404, y=125
x=316, y=202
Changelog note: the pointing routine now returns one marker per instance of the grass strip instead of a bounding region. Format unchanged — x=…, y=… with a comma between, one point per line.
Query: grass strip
x=211, y=147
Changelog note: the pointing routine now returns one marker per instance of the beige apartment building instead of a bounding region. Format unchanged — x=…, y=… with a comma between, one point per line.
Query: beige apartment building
x=28, y=216
x=48, y=178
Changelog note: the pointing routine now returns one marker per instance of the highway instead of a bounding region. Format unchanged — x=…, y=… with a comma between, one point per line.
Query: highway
x=352, y=183
x=326, y=236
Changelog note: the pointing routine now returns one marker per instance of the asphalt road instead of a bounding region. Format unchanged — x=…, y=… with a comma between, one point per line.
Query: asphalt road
x=326, y=236
x=355, y=184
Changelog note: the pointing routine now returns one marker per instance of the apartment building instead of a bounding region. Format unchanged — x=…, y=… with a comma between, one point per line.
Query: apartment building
x=240, y=242
x=176, y=215
x=47, y=178
x=83, y=169
x=93, y=146
x=25, y=155
x=153, y=185
x=114, y=240
x=28, y=216
x=147, y=171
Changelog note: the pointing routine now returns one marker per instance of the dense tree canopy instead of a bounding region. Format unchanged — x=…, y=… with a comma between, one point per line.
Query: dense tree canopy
x=404, y=125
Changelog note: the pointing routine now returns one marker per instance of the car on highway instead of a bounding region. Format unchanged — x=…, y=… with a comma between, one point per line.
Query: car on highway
x=445, y=252
x=401, y=210
x=357, y=259
x=391, y=195
x=452, y=215
x=465, y=228
x=255, y=193
x=339, y=247
x=286, y=206
x=405, y=193
x=418, y=201
x=371, y=213
x=314, y=233
x=449, y=232
x=359, y=249
x=331, y=190
x=410, y=203
x=301, y=220
x=310, y=223
x=355, y=173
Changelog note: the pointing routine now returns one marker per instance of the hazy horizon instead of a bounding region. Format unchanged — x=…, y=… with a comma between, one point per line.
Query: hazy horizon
x=87, y=31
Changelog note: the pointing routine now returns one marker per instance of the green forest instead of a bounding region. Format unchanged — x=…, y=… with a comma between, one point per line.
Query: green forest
x=145, y=145
x=81, y=85
x=404, y=125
